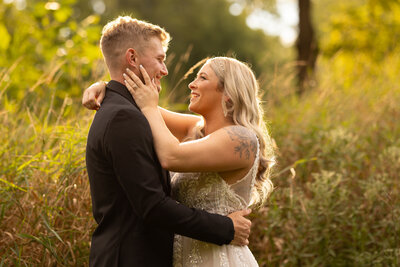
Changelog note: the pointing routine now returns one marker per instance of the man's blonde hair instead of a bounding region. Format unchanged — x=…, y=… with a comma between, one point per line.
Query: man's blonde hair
x=126, y=32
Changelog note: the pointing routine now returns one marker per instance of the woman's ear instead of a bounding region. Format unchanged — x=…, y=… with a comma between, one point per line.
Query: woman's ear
x=228, y=102
x=227, y=99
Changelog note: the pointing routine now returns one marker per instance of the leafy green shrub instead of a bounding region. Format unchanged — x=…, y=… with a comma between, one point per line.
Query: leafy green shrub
x=45, y=50
x=340, y=204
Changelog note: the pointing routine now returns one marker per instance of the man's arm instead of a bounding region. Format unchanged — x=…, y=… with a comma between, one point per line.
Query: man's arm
x=129, y=145
x=178, y=123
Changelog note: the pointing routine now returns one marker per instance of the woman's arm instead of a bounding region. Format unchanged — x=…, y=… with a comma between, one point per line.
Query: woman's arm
x=179, y=124
x=229, y=148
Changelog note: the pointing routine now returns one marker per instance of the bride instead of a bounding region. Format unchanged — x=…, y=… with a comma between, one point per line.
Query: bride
x=222, y=158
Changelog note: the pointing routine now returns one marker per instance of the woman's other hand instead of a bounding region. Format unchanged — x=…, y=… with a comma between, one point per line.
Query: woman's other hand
x=145, y=94
x=94, y=95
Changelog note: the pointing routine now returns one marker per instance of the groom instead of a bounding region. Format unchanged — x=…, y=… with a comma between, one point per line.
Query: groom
x=136, y=216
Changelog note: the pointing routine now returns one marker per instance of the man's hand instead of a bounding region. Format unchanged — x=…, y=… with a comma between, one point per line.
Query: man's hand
x=242, y=227
x=94, y=95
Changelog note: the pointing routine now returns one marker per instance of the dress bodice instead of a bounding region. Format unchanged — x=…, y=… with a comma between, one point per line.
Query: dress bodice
x=209, y=191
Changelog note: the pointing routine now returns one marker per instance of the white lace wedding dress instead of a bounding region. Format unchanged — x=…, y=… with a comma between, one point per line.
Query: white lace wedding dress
x=208, y=191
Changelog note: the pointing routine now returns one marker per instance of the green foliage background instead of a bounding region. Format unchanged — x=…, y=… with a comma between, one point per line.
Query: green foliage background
x=337, y=196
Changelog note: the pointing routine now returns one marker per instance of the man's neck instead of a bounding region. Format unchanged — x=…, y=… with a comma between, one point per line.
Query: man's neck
x=117, y=76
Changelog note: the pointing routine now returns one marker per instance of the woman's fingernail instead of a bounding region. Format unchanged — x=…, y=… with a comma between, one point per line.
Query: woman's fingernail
x=123, y=74
x=141, y=66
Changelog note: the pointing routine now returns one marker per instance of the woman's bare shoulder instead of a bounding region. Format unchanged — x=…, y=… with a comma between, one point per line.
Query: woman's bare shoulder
x=243, y=139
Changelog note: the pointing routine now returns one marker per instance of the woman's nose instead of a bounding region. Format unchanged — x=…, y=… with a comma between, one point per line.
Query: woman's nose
x=191, y=85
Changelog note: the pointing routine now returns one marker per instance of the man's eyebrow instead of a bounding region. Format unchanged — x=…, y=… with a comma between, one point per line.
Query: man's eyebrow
x=162, y=55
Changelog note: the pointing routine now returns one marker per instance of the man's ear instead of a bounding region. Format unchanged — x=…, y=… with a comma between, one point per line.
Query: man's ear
x=131, y=57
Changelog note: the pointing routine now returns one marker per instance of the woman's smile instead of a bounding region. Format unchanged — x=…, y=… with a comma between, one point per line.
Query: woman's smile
x=194, y=96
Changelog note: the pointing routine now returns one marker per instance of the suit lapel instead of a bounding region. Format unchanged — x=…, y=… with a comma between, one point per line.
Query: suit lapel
x=121, y=89
x=167, y=181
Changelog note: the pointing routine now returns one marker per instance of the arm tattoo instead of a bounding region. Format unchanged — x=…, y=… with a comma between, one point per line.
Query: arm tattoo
x=246, y=142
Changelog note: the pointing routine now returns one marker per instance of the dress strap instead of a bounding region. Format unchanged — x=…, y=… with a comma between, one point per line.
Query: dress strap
x=255, y=165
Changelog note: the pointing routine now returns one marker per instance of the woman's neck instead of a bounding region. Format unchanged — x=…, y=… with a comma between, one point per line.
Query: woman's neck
x=214, y=123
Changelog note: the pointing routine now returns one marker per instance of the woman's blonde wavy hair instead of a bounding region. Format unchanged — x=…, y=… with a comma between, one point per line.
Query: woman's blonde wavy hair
x=239, y=84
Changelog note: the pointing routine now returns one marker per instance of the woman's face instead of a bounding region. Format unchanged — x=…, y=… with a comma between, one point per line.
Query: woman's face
x=206, y=97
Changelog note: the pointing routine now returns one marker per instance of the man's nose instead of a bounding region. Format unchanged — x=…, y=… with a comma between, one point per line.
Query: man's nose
x=164, y=70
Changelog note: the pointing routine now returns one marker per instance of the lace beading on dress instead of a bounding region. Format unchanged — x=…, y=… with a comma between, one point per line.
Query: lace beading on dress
x=208, y=191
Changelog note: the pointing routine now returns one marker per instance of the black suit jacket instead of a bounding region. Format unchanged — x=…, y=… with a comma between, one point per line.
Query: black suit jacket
x=130, y=192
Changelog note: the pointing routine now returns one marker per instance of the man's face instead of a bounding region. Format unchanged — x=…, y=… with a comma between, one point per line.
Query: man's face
x=152, y=57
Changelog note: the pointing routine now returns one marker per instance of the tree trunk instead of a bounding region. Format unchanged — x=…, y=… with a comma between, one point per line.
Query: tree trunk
x=307, y=48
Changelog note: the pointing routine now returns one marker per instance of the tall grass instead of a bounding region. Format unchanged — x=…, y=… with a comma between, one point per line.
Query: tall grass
x=45, y=216
x=337, y=196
